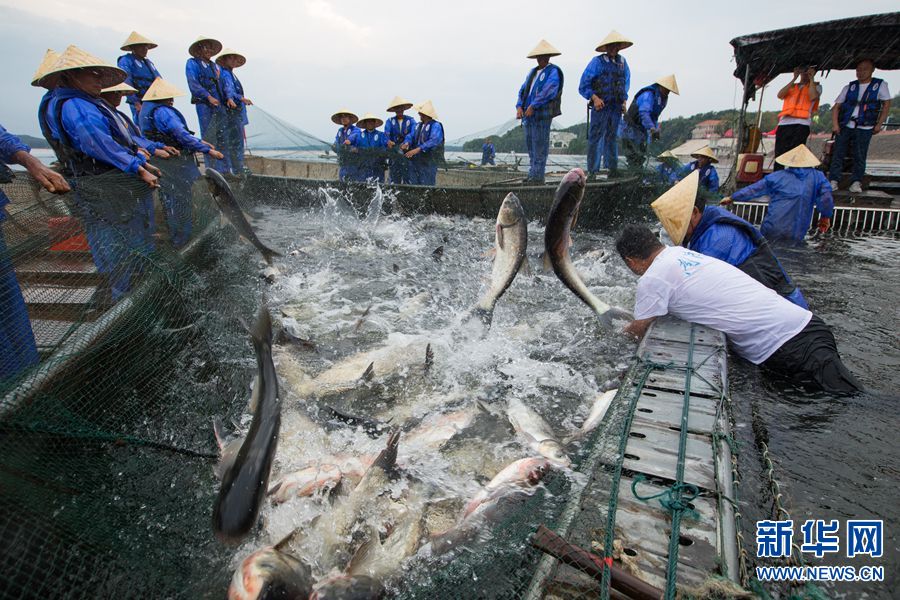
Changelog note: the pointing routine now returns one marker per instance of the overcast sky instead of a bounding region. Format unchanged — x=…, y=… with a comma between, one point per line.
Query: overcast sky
x=307, y=58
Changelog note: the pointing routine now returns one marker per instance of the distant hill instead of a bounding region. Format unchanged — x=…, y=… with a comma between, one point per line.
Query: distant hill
x=674, y=132
x=33, y=142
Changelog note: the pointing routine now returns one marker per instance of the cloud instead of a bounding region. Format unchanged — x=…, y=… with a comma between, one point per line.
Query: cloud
x=322, y=11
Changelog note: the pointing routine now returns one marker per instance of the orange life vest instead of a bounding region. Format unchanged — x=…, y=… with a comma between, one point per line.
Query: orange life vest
x=797, y=103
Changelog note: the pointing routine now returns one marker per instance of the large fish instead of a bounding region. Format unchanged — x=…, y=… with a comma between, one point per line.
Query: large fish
x=598, y=411
x=270, y=574
x=245, y=483
x=536, y=432
x=523, y=473
x=510, y=244
x=556, y=245
x=224, y=197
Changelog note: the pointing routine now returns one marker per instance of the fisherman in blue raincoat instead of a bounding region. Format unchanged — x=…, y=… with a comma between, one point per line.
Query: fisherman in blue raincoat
x=538, y=102
x=346, y=142
x=372, y=149
x=399, y=131
x=488, y=153
x=641, y=122
x=91, y=143
x=703, y=163
x=604, y=84
x=113, y=96
x=427, y=146
x=162, y=122
x=669, y=170
x=140, y=69
x=204, y=79
x=38, y=80
x=17, y=347
x=235, y=109
x=713, y=231
x=792, y=192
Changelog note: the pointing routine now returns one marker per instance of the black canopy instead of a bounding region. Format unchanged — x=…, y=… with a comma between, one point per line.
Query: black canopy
x=832, y=45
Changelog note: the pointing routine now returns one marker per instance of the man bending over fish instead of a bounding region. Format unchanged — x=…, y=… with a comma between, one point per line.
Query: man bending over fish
x=761, y=326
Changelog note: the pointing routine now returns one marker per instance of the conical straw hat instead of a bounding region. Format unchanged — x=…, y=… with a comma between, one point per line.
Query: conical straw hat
x=136, y=39
x=122, y=87
x=614, y=37
x=800, y=156
x=336, y=117
x=242, y=60
x=427, y=109
x=669, y=83
x=193, y=49
x=667, y=155
x=543, y=49
x=705, y=151
x=674, y=208
x=161, y=89
x=50, y=58
x=370, y=117
x=399, y=103
x=76, y=58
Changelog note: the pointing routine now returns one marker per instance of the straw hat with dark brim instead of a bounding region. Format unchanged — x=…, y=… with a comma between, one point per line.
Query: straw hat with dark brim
x=674, y=208
x=124, y=88
x=705, y=151
x=242, y=60
x=399, y=103
x=161, y=89
x=194, y=49
x=427, y=109
x=75, y=58
x=136, y=39
x=336, y=117
x=544, y=48
x=669, y=83
x=799, y=157
x=614, y=37
x=50, y=58
x=370, y=117
x=667, y=155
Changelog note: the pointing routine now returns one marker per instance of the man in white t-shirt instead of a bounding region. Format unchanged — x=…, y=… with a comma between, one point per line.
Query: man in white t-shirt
x=858, y=114
x=760, y=325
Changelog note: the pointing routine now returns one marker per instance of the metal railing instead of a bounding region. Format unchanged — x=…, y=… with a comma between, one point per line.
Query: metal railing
x=846, y=219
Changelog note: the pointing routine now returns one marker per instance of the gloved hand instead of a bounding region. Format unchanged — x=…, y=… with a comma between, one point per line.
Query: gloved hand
x=726, y=201
x=824, y=224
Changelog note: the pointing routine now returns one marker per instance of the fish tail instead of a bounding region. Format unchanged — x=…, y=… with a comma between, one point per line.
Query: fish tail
x=387, y=458
x=269, y=254
x=262, y=329
x=485, y=315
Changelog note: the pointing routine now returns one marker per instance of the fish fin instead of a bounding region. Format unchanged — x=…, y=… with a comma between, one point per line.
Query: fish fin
x=545, y=262
x=429, y=358
x=525, y=267
x=254, y=395
x=621, y=313
x=247, y=216
x=387, y=458
x=438, y=253
x=499, y=235
x=362, y=554
x=219, y=432
x=274, y=488
x=268, y=254
x=491, y=253
x=280, y=544
x=222, y=220
x=362, y=318
x=369, y=373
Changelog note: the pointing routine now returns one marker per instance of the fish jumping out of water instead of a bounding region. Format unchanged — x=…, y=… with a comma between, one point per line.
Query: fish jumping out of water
x=510, y=244
x=270, y=573
x=536, y=432
x=598, y=411
x=556, y=243
x=245, y=483
x=225, y=200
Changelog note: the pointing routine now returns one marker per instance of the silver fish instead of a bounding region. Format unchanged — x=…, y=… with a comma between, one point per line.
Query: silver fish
x=270, y=574
x=536, y=432
x=598, y=411
x=306, y=482
x=556, y=245
x=225, y=200
x=245, y=483
x=510, y=244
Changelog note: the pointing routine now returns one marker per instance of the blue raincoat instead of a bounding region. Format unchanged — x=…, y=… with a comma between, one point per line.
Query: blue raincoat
x=166, y=124
x=793, y=192
x=17, y=348
x=423, y=166
x=488, y=154
x=94, y=140
x=372, y=153
x=610, y=79
x=399, y=133
x=141, y=74
x=644, y=113
x=543, y=95
x=669, y=174
x=348, y=155
x=729, y=238
x=205, y=80
x=235, y=121
x=709, y=178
